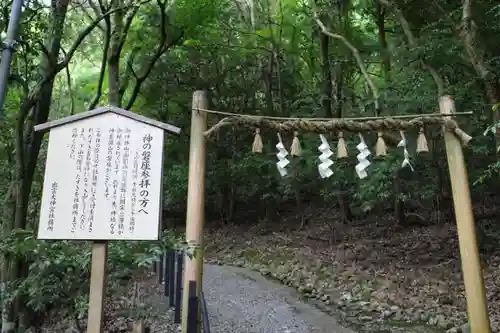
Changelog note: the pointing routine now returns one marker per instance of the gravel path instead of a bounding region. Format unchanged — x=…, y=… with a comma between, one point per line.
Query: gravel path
x=243, y=301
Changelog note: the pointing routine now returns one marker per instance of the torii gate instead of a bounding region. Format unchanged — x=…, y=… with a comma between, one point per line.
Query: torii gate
x=454, y=139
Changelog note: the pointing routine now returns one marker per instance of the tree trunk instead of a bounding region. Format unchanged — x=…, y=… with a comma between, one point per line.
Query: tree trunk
x=114, y=55
x=327, y=75
x=399, y=206
x=382, y=37
x=328, y=90
x=476, y=57
x=28, y=145
x=268, y=85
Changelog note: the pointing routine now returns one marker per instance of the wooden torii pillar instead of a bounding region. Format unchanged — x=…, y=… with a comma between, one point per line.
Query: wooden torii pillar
x=477, y=308
x=195, y=217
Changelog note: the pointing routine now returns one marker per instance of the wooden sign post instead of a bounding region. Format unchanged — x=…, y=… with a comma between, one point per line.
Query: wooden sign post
x=471, y=267
x=103, y=181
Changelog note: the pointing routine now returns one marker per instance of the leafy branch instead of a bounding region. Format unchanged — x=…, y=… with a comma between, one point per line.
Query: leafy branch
x=355, y=53
x=33, y=95
x=163, y=46
x=412, y=42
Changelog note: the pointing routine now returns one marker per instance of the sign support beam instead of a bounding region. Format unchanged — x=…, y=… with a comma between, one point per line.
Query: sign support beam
x=97, y=286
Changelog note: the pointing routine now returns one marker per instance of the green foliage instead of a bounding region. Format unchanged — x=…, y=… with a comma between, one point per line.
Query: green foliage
x=261, y=58
x=492, y=169
x=59, y=271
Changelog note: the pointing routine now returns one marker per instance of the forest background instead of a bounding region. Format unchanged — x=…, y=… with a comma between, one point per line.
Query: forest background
x=335, y=59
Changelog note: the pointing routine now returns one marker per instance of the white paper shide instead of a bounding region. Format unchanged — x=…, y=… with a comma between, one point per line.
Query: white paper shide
x=406, y=154
x=102, y=180
x=362, y=157
x=281, y=155
x=324, y=167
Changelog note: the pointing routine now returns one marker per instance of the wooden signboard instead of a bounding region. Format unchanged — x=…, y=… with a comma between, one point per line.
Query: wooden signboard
x=103, y=181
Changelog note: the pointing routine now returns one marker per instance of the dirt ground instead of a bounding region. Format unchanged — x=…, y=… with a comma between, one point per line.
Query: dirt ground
x=376, y=278
x=140, y=298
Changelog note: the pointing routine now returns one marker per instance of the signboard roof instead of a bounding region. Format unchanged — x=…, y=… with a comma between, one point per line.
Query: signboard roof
x=105, y=109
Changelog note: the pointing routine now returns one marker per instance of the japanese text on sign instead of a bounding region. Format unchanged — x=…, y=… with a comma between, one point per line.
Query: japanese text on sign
x=110, y=182
x=145, y=173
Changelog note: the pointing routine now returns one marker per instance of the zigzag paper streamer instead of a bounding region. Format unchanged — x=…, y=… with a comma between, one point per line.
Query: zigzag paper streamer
x=362, y=157
x=326, y=162
x=281, y=155
x=406, y=161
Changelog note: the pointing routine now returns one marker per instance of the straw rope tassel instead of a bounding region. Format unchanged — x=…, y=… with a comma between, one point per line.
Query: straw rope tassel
x=341, y=147
x=422, y=142
x=380, y=147
x=257, y=142
x=295, y=148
